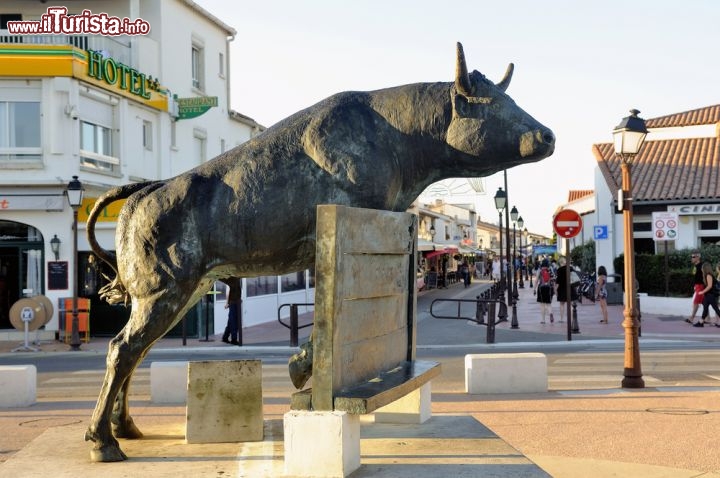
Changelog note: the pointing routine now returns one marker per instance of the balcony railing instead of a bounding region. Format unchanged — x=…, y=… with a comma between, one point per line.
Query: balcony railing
x=116, y=48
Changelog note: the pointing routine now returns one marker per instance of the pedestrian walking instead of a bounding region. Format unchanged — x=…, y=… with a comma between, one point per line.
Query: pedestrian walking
x=601, y=293
x=561, y=288
x=232, y=329
x=698, y=285
x=544, y=291
x=710, y=295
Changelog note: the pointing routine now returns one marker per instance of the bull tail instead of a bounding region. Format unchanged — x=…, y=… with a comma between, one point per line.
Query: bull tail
x=114, y=292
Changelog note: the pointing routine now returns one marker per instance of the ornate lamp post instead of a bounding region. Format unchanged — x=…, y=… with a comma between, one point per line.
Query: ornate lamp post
x=628, y=137
x=527, y=261
x=515, y=295
x=74, y=193
x=520, y=224
x=500, y=202
x=514, y=218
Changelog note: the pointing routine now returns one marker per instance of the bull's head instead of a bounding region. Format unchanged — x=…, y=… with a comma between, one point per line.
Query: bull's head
x=487, y=122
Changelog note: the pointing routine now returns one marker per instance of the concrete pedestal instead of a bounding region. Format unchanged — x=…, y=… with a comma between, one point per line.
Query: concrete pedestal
x=415, y=407
x=18, y=385
x=168, y=382
x=506, y=373
x=224, y=401
x=321, y=444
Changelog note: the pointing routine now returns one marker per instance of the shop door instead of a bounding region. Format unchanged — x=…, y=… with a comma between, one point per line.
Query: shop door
x=21, y=266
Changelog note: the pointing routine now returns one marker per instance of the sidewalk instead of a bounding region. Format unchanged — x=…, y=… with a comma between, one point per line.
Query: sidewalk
x=438, y=333
x=652, y=432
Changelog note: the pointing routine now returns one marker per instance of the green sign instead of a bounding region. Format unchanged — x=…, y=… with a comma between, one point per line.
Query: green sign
x=194, y=107
x=117, y=74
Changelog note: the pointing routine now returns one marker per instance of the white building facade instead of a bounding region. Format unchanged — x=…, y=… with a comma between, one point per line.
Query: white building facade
x=111, y=110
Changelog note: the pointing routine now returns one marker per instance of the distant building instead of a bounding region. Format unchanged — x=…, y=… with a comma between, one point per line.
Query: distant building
x=111, y=110
x=677, y=170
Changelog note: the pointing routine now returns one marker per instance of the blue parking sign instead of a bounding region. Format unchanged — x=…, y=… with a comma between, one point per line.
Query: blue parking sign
x=600, y=232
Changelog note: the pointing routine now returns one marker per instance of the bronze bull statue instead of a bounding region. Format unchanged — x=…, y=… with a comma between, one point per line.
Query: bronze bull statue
x=251, y=211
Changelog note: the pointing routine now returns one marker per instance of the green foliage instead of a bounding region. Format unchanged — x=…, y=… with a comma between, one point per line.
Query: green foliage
x=650, y=270
x=584, y=256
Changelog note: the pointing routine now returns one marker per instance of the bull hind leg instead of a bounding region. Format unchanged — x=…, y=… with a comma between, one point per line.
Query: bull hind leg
x=149, y=321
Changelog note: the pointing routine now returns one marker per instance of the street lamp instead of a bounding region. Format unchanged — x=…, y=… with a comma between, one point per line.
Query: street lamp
x=528, y=275
x=628, y=137
x=74, y=193
x=55, y=247
x=520, y=224
x=500, y=202
x=514, y=322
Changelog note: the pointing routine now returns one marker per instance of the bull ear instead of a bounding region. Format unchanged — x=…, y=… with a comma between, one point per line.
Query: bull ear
x=505, y=82
x=462, y=80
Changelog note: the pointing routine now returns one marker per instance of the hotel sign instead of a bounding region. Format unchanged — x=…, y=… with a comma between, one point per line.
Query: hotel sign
x=196, y=106
x=695, y=209
x=119, y=75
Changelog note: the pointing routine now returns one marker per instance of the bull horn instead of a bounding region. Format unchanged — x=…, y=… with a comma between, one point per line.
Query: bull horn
x=505, y=82
x=462, y=80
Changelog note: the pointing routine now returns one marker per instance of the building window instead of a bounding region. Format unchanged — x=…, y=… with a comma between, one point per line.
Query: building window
x=262, y=285
x=221, y=65
x=708, y=225
x=200, y=144
x=147, y=135
x=292, y=281
x=642, y=227
x=173, y=135
x=96, y=149
x=197, y=66
x=20, y=130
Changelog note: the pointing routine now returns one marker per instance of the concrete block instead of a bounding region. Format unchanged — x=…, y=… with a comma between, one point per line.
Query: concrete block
x=321, y=444
x=415, y=407
x=18, y=384
x=506, y=373
x=224, y=401
x=168, y=382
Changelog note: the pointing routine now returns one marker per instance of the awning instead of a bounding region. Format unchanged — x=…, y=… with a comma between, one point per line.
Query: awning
x=440, y=249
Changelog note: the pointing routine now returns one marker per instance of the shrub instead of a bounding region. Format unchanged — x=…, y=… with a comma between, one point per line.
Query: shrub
x=650, y=270
x=584, y=256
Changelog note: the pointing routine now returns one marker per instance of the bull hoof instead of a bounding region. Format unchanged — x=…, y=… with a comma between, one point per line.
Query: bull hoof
x=107, y=454
x=300, y=365
x=127, y=429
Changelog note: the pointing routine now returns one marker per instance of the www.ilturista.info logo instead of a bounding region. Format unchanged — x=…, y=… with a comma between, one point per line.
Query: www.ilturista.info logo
x=57, y=21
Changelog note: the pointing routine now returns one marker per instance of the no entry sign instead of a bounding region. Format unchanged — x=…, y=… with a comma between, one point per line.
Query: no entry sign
x=567, y=223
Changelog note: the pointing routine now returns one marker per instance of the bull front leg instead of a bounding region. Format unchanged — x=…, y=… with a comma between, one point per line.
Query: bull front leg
x=300, y=365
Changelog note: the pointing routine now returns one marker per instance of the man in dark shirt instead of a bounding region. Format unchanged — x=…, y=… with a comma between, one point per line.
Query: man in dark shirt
x=698, y=285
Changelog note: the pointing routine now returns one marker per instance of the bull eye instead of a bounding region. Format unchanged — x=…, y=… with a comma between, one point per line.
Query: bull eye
x=483, y=100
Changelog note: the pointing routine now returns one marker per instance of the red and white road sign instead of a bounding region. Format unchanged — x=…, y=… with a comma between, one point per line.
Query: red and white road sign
x=567, y=223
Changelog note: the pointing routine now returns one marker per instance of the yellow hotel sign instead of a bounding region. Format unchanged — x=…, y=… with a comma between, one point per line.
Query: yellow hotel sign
x=21, y=60
x=109, y=214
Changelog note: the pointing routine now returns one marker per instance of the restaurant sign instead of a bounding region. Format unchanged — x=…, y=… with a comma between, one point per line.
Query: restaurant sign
x=196, y=106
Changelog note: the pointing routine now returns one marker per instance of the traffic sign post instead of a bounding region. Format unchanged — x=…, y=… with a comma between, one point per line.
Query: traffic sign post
x=567, y=223
x=665, y=228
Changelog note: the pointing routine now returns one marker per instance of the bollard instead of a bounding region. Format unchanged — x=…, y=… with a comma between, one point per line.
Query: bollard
x=503, y=312
x=490, y=333
x=575, y=324
x=479, y=311
x=293, y=325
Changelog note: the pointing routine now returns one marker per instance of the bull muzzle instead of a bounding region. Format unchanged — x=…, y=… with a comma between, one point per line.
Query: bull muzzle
x=539, y=143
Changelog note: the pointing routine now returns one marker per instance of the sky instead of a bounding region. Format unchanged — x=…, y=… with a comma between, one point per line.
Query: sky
x=579, y=67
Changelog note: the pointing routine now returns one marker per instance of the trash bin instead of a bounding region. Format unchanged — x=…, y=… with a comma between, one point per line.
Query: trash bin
x=614, y=289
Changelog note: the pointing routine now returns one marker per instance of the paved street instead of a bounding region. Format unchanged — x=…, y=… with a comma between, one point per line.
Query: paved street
x=584, y=422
